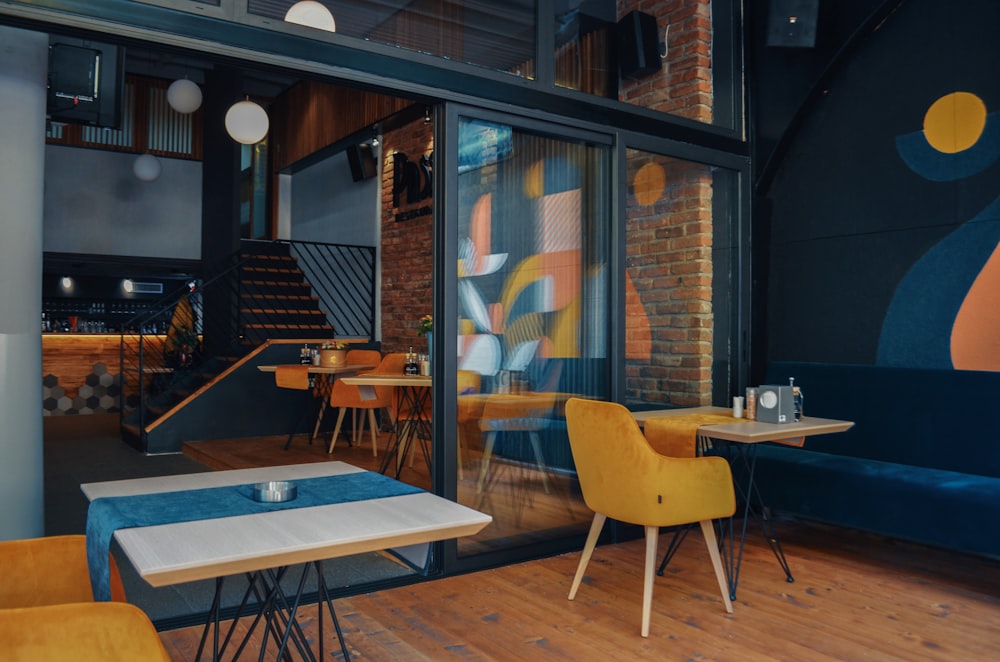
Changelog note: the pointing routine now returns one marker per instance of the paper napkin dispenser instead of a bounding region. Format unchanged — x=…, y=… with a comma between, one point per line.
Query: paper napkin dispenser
x=775, y=404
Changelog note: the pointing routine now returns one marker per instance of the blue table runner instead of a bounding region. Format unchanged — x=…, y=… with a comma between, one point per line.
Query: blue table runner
x=108, y=514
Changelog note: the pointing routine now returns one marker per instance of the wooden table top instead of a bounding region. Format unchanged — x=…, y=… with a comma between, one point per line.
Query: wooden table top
x=752, y=432
x=205, y=549
x=389, y=380
x=322, y=370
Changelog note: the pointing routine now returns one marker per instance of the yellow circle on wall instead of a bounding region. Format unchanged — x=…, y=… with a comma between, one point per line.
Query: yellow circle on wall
x=955, y=122
x=649, y=183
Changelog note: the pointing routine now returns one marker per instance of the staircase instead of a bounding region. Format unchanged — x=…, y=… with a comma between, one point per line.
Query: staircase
x=262, y=293
x=276, y=301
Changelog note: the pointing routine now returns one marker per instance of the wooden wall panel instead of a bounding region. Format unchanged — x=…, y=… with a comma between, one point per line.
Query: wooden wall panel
x=313, y=115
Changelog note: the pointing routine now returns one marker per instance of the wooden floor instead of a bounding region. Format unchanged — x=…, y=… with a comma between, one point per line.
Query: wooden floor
x=856, y=597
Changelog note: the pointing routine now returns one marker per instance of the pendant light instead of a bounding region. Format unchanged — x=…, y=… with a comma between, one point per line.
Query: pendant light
x=247, y=122
x=146, y=167
x=184, y=96
x=311, y=14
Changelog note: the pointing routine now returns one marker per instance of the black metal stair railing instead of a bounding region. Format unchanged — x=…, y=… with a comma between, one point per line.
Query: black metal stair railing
x=267, y=290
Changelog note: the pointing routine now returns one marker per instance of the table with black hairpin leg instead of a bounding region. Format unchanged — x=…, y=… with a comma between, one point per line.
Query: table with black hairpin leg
x=740, y=439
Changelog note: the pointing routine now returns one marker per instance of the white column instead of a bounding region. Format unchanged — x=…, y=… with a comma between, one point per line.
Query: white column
x=23, y=71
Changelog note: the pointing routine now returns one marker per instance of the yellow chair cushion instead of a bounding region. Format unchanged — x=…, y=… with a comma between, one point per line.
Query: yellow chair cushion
x=81, y=632
x=47, y=571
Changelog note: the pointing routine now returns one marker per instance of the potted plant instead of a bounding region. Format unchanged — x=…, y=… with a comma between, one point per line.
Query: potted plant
x=332, y=354
x=183, y=346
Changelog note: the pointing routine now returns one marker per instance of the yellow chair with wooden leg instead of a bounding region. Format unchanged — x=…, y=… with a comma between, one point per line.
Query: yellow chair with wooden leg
x=623, y=478
x=344, y=397
x=347, y=398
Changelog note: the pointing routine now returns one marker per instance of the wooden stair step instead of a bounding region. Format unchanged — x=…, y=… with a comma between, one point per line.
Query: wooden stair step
x=293, y=327
x=283, y=311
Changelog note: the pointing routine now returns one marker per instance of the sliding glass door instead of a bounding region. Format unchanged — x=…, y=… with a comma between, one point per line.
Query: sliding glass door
x=533, y=243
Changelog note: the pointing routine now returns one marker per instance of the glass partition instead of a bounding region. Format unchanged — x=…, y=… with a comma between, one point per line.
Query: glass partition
x=496, y=35
x=534, y=242
x=682, y=269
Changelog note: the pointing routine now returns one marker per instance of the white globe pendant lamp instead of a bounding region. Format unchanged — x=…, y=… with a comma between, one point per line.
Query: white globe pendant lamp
x=146, y=167
x=246, y=122
x=184, y=96
x=311, y=14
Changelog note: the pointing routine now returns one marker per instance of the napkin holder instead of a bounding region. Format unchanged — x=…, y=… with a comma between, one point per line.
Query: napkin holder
x=775, y=404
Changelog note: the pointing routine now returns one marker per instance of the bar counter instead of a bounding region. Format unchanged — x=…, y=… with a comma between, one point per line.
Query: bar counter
x=81, y=372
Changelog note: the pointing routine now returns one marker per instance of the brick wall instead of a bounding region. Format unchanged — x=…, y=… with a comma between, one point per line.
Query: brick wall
x=407, y=246
x=683, y=86
x=669, y=317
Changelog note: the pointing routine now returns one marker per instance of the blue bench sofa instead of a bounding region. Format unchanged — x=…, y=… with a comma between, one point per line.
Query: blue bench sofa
x=921, y=463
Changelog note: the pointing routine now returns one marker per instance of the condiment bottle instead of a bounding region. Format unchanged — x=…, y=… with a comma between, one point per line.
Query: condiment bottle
x=411, y=367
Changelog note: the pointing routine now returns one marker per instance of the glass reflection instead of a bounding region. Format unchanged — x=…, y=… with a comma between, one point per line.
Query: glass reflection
x=500, y=36
x=532, y=296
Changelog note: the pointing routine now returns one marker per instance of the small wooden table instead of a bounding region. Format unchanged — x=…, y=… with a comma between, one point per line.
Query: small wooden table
x=411, y=419
x=742, y=437
x=213, y=548
x=753, y=432
x=322, y=391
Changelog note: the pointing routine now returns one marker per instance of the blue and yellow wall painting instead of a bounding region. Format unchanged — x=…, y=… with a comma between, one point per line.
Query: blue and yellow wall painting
x=521, y=285
x=945, y=313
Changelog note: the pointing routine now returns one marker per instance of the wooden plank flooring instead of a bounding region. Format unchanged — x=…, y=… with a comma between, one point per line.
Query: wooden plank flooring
x=856, y=597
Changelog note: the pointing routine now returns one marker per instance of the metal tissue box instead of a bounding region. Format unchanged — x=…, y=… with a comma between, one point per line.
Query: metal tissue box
x=775, y=404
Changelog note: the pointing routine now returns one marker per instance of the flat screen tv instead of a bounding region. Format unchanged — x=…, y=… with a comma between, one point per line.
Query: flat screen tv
x=86, y=82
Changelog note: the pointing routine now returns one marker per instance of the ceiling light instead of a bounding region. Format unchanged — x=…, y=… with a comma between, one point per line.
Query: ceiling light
x=146, y=167
x=246, y=122
x=312, y=15
x=184, y=96
x=427, y=115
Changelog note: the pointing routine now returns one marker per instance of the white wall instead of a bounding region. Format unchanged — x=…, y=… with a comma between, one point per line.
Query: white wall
x=94, y=204
x=328, y=206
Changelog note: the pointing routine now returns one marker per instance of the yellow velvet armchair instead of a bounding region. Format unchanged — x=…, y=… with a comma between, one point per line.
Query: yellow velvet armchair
x=623, y=478
x=47, y=608
x=81, y=632
x=49, y=571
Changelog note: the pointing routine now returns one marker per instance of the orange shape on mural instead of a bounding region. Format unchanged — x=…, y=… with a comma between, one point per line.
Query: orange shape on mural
x=975, y=335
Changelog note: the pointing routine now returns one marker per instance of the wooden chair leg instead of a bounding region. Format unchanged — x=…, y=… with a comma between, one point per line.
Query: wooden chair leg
x=372, y=429
x=588, y=549
x=708, y=531
x=484, y=466
x=652, y=538
x=319, y=419
x=336, y=429
x=461, y=461
x=539, y=460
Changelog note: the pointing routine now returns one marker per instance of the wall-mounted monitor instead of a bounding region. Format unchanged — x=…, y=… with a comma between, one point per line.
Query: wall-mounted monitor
x=86, y=82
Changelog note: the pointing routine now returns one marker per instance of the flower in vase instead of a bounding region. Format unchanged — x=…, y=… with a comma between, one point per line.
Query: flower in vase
x=425, y=325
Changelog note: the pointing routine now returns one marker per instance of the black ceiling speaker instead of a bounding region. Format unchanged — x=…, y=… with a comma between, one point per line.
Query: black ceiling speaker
x=362, y=161
x=638, y=45
x=792, y=23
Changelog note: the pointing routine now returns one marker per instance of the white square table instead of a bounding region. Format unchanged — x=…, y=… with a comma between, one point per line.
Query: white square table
x=213, y=548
